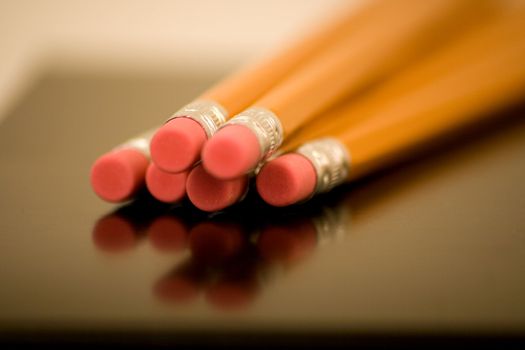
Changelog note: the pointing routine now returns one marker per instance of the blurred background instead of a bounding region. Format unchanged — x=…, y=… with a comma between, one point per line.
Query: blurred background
x=159, y=36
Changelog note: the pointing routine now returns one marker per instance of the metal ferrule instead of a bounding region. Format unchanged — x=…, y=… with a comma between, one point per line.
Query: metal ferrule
x=331, y=162
x=140, y=143
x=210, y=115
x=263, y=162
x=265, y=125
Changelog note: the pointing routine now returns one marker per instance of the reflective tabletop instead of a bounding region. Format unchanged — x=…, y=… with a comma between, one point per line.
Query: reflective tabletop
x=434, y=247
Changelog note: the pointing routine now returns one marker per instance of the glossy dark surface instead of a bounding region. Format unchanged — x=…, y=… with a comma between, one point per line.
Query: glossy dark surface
x=435, y=246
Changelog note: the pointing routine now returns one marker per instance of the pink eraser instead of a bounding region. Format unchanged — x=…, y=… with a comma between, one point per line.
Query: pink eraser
x=118, y=175
x=213, y=242
x=232, y=152
x=211, y=194
x=113, y=233
x=286, y=180
x=176, y=145
x=168, y=233
x=166, y=187
x=287, y=243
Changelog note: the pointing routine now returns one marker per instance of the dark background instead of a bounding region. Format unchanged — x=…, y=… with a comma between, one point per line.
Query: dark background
x=430, y=252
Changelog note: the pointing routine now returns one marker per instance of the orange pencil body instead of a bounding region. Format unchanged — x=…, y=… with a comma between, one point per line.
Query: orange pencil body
x=463, y=84
x=176, y=146
x=392, y=35
x=389, y=40
x=242, y=88
x=492, y=78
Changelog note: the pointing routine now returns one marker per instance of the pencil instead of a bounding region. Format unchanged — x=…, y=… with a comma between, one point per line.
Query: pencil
x=176, y=146
x=401, y=117
x=208, y=193
x=166, y=187
x=392, y=36
x=117, y=175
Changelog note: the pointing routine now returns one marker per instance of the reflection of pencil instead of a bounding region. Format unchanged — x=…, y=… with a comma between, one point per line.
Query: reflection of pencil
x=183, y=284
x=287, y=242
x=462, y=84
x=121, y=229
x=168, y=233
x=393, y=35
x=177, y=144
x=214, y=242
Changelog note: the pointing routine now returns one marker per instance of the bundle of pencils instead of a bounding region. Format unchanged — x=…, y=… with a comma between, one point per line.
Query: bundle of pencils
x=369, y=88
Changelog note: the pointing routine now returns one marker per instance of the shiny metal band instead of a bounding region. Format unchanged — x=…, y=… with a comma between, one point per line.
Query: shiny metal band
x=331, y=162
x=140, y=143
x=210, y=115
x=265, y=125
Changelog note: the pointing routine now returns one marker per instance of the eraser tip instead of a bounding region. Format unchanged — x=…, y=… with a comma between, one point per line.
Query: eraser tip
x=118, y=175
x=232, y=152
x=286, y=180
x=176, y=145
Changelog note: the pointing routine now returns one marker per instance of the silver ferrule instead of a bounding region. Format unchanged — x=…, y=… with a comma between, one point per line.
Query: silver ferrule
x=330, y=160
x=265, y=125
x=263, y=162
x=332, y=224
x=210, y=115
x=140, y=143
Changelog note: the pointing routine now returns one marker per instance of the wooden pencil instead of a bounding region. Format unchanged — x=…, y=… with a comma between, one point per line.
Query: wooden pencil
x=119, y=174
x=466, y=83
x=176, y=146
x=392, y=36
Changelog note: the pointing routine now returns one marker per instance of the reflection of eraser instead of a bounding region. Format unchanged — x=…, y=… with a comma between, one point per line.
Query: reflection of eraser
x=113, y=233
x=286, y=180
x=166, y=187
x=289, y=242
x=211, y=194
x=177, y=145
x=118, y=175
x=213, y=242
x=232, y=152
x=168, y=233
